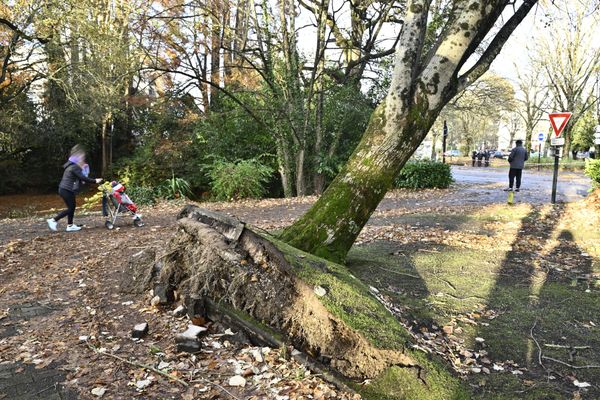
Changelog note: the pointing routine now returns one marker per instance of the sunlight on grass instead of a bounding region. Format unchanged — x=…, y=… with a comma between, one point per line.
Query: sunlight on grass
x=544, y=285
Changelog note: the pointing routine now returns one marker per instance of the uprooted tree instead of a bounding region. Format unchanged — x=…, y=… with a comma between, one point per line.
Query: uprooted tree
x=428, y=73
x=271, y=285
x=281, y=296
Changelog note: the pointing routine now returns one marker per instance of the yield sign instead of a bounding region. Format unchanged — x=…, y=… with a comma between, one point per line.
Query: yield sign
x=559, y=121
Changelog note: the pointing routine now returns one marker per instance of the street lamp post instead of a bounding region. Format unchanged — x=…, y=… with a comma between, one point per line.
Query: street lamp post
x=445, y=136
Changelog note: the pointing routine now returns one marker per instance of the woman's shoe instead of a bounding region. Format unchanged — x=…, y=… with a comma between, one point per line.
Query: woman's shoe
x=73, y=228
x=52, y=224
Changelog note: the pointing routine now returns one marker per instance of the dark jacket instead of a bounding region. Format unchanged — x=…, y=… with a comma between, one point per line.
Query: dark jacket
x=73, y=177
x=517, y=157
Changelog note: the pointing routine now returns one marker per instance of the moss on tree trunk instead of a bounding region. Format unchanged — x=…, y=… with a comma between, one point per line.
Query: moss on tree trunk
x=332, y=224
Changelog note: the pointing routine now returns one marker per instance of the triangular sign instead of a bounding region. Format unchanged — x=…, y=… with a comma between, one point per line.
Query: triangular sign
x=559, y=121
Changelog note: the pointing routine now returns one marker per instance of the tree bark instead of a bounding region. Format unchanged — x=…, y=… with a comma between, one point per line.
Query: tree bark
x=300, y=175
x=434, y=137
x=285, y=168
x=528, y=135
x=106, y=144
x=215, y=48
x=421, y=85
x=330, y=227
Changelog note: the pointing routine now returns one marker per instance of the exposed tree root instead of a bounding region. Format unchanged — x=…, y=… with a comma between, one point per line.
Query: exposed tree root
x=220, y=259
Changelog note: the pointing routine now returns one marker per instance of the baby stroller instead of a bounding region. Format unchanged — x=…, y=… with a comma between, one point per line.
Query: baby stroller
x=115, y=202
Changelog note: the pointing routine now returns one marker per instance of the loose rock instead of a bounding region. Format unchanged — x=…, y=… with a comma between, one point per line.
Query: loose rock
x=140, y=330
x=164, y=293
x=320, y=291
x=180, y=311
x=237, y=380
x=188, y=340
x=99, y=391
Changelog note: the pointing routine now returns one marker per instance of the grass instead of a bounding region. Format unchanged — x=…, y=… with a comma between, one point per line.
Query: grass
x=533, y=275
x=531, y=267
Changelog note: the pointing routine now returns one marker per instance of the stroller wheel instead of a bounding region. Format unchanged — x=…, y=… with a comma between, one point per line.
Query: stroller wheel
x=109, y=225
x=138, y=222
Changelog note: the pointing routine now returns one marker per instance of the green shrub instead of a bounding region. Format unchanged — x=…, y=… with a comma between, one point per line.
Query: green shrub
x=239, y=180
x=142, y=195
x=174, y=188
x=592, y=169
x=423, y=175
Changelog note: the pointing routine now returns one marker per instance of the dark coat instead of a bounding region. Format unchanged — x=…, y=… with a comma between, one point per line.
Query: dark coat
x=73, y=177
x=517, y=157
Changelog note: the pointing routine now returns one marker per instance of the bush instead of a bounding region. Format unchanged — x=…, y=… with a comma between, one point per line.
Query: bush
x=174, y=188
x=239, y=180
x=424, y=175
x=141, y=195
x=592, y=169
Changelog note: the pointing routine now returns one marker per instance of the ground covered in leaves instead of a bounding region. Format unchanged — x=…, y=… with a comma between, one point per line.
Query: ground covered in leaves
x=508, y=296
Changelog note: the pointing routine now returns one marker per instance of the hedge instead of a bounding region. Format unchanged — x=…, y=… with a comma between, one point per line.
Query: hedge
x=424, y=175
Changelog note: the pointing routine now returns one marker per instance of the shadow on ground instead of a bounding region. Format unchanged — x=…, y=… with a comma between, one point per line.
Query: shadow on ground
x=538, y=285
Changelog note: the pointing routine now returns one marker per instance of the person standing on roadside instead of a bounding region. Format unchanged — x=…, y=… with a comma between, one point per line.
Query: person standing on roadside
x=516, y=158
x=72, y=180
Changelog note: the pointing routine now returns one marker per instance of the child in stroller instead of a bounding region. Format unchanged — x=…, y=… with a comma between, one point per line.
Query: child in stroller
x=115, y=202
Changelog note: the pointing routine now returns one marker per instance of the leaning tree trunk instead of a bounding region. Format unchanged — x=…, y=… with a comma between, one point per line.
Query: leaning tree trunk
x=423, y=81
x=330, y=227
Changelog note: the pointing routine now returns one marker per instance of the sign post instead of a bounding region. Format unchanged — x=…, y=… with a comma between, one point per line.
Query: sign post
x=445, y=136
x=541, y=138
x=558, y=122
x=597, y=141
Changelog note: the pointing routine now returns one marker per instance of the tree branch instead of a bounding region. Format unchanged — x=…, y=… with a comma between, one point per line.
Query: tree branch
x=21, y=33
x=492, y=51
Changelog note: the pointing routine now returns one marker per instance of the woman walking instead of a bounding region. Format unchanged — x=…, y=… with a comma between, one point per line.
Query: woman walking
x=72, y=180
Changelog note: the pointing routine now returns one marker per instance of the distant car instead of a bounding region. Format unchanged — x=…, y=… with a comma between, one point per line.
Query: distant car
x=583, y=154
x=453, y=153
x=499, y=154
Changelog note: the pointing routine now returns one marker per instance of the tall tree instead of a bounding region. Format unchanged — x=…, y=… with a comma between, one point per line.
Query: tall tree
x=474, y=114
x=569, y=56
x=261, y=54
x=20, y=41
x=512, y=121
x=532, y=100
x=425, y=78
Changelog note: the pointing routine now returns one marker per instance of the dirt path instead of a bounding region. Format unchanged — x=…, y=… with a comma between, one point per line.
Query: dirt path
x=62, y=313
x=266, y=214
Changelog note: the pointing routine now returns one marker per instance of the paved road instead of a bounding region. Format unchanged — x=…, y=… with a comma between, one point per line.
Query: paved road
x=486, y=184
